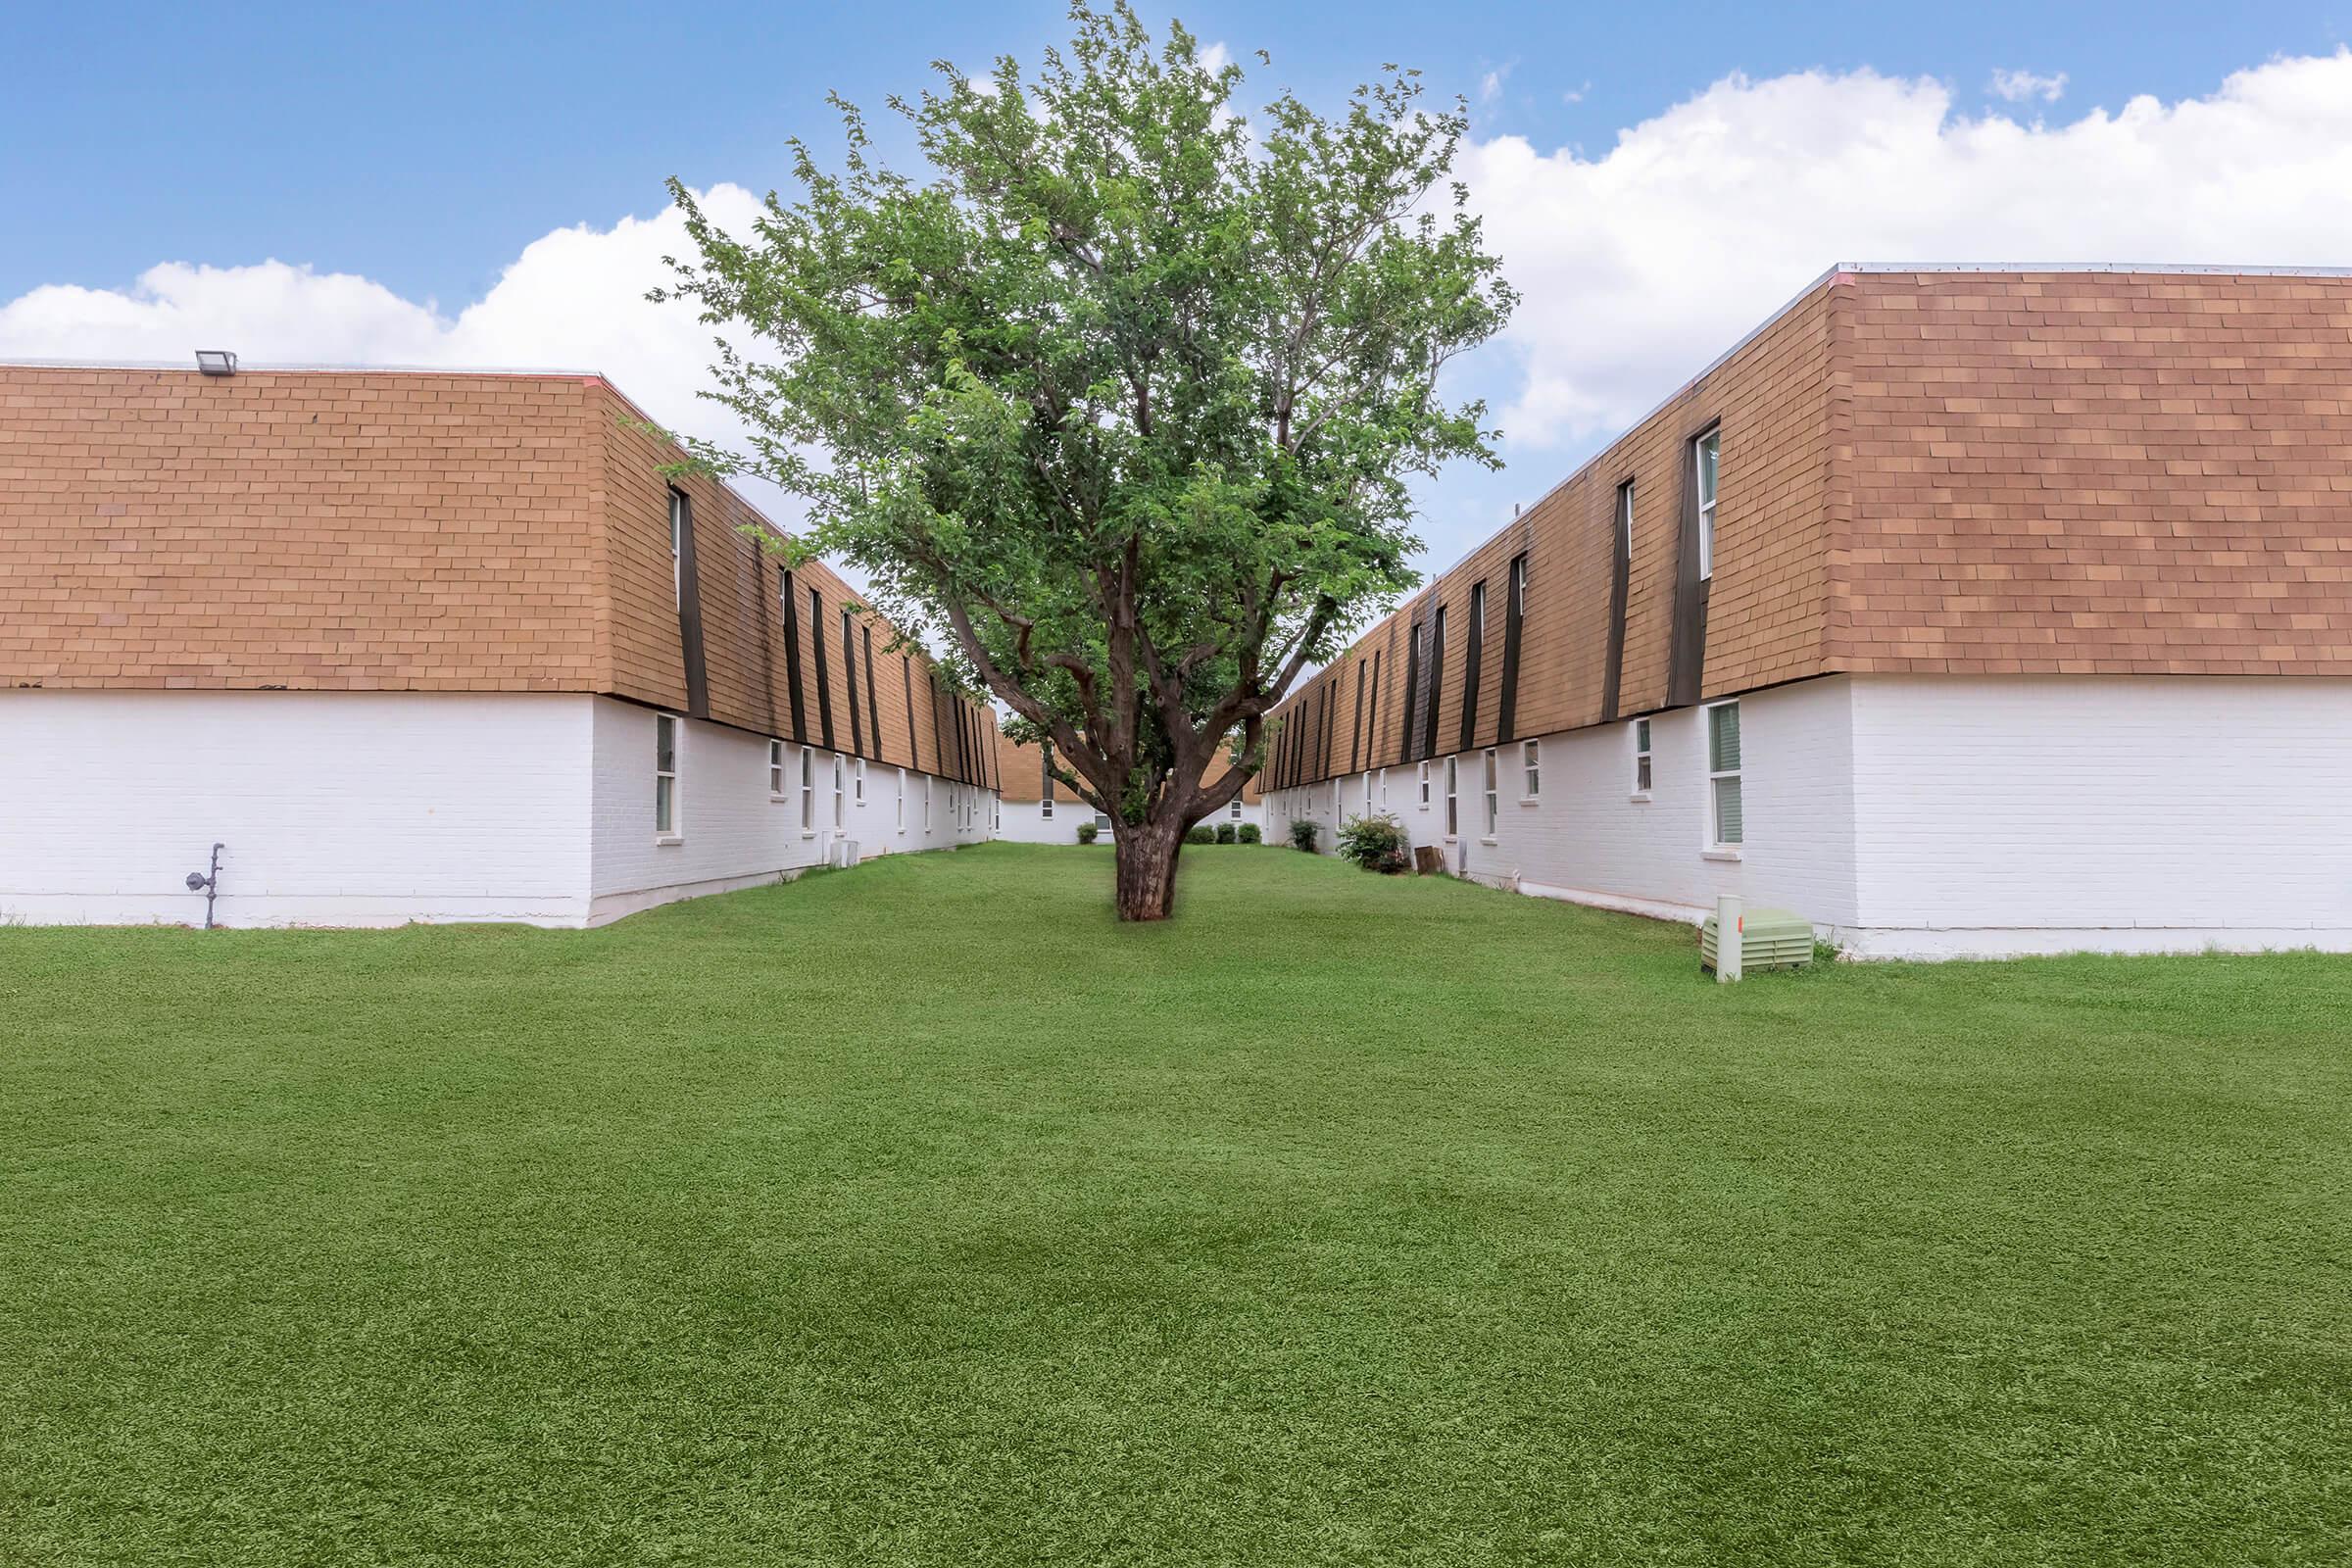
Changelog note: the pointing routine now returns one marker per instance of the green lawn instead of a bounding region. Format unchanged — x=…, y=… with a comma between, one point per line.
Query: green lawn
x=920, y=1214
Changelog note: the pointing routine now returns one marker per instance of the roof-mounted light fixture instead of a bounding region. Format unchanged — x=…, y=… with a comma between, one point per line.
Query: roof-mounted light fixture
x=216, y=361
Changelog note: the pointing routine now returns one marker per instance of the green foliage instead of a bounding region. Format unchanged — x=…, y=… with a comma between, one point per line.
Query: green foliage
x=1377, y=842
x=1305, y=835
x=1123, y=396
x=1346, y=1219
x=1225, y=833
x=1251, y=833
x=1200, y=833
x=1087, y=832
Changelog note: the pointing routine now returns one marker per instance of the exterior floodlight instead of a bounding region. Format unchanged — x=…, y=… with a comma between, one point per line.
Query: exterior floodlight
x=216, y=361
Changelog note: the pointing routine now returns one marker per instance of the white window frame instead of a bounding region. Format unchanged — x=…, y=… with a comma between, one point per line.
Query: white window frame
x=677, y=546
x=808, y=793
x=901, y=818
x=666, y=803
x=1453, y=799
x=1424, y=786
x=1045, y=805
x=1708, y=480
x=927, y=806
x=857, y=782
x=1237, y=807
x=1625, y=515
x=775, y=769
x=1641, y=769
x=1530, y=772
x=1367, y=792
x=840, y=802
x=1717, y=777
x=1493, y=795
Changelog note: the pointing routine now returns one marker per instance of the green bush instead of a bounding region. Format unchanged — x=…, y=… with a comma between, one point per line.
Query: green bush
x=1087, y=832
x=1250, y=834
x=1201, y=833
x=1377, y=842
x=1304, y=835
x=1225, y=833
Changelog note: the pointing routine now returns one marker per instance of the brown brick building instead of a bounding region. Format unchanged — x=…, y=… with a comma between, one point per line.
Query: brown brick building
x=1959, y=609
x=426, y=646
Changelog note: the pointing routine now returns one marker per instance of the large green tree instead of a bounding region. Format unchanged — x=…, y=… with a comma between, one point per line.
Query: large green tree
x=1121, y=400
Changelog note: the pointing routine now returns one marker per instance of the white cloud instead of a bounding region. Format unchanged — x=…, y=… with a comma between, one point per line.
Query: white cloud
x=574, y=300
x=2019, y=86
x=1641, y=266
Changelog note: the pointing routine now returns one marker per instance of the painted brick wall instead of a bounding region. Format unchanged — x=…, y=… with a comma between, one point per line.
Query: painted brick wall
x=336, y=808
x=2005, y=816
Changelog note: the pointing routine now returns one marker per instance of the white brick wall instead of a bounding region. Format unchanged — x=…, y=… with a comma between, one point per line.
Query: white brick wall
x=732, y=832
x=379, y=809
x=1025, y=824
x=1586, y=837
x=2121, y=813
x=336, y=808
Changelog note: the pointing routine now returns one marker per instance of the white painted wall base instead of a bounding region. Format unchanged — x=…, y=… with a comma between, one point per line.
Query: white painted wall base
x=1938, y=818
x=356, y=808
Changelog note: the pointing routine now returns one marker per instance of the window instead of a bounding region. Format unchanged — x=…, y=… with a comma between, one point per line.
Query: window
x=1724, y=824
x=840, y=797
x=1367, y=792
x=665, y=775
x=1425, y=786
x=857, y=781
x=1625, y=518
x=808, y=790
x=677, y=548
x=1641, y=728
x=902, y=811
x=1706, y=449
x=1383, y=789
x=1237, y=807
x=1530, y=771
x=1045, y=808
x=1453, y=816
x=775, y=771
x=926, y=803
x=1491, y=794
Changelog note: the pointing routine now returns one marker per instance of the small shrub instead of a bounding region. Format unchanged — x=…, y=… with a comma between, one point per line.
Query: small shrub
x=1304, y=835
x=1225, y=833
x=1087, y=832
x=1250, y=834
x=1377, y=844
x=1201, y=833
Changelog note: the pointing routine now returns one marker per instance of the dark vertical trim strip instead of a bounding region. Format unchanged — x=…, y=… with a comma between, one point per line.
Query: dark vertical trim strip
x=1474, y=654
x=939, y=734
x=1412, y=691
x=1437, y=681
x=792, y=658
x=914, y=747
x=1355, y=744
x=848, y=673
x=824, y=681
x=873, y=706
x=1621, y=577
x=1506, y=716
x=690, y=607
x=1686, y=678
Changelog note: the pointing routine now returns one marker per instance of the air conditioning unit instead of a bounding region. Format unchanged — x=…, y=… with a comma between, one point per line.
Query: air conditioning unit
x=1768, y=938
x=845, y=852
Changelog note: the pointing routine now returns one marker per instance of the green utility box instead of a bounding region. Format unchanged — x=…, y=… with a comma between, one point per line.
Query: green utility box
x=1769, y=939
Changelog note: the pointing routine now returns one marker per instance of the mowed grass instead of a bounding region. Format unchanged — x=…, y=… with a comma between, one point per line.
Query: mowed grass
x=921, y=1215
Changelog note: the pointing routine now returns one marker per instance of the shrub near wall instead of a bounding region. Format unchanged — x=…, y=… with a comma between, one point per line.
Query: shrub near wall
x=1087, y=832
x=1202, y=834
x=1225, y=833
x=1249, y=834
x=1377, y=844
x=1304, y=835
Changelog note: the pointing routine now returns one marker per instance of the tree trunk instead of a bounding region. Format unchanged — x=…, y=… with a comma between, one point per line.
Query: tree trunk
x=1146, y=869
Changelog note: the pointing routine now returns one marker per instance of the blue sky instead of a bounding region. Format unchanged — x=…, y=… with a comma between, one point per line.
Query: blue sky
x=411, y=157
